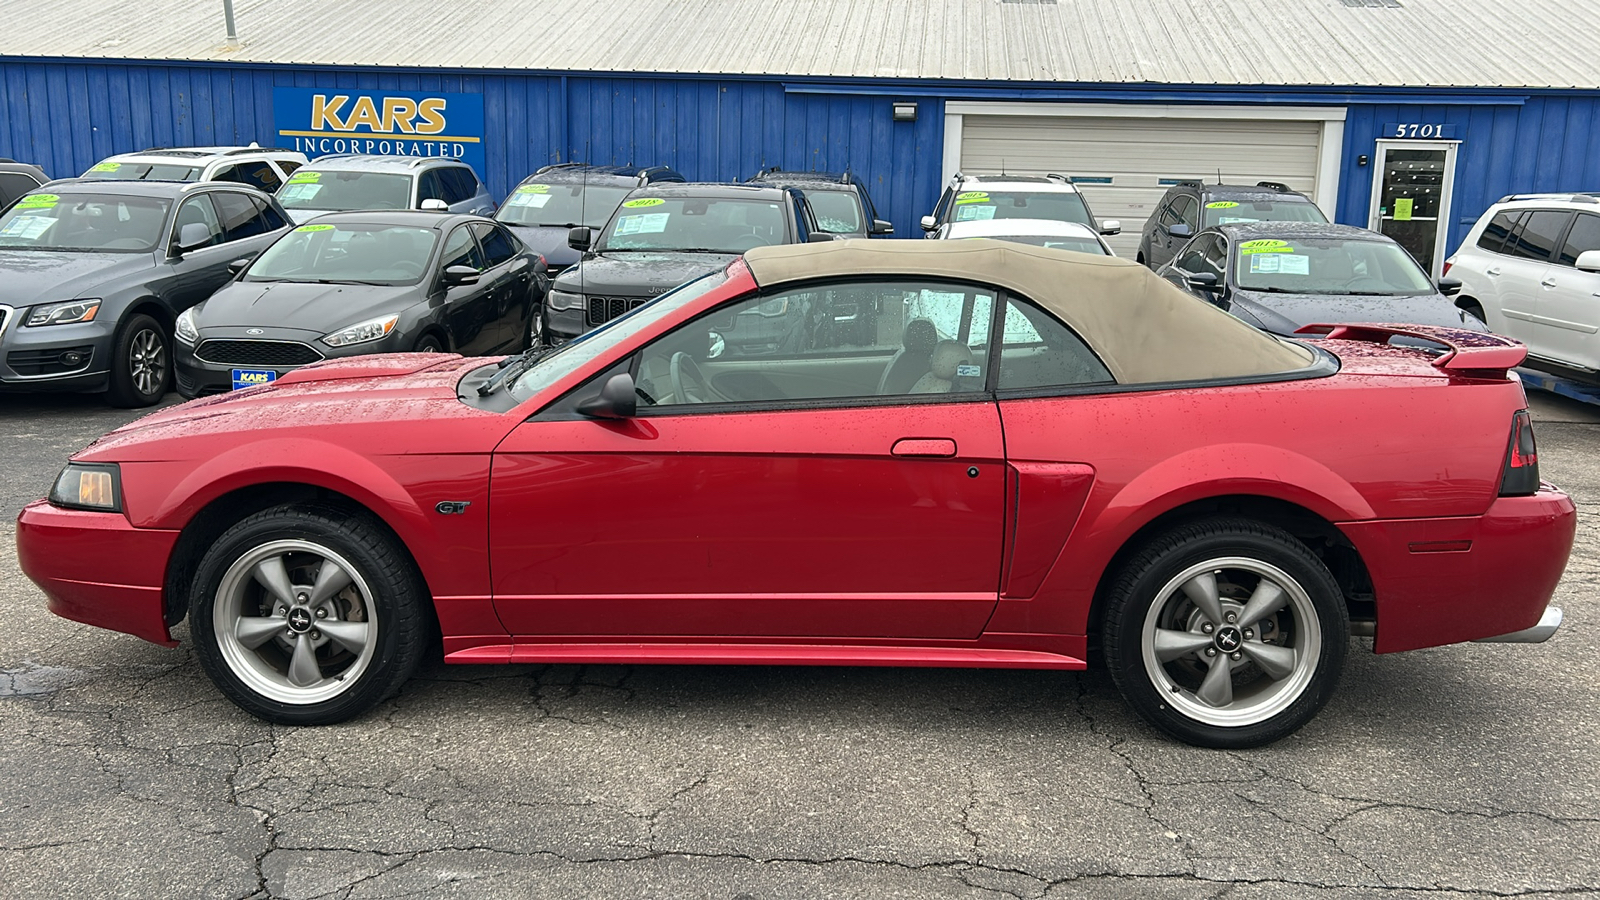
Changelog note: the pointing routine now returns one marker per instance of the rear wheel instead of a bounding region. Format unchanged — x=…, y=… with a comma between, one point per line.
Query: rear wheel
x=1226, y=633
x=141, y=363
x=428, y=344
x=307, y=615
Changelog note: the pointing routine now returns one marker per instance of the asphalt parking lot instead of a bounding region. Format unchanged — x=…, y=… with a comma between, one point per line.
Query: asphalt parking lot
x=1469, y=771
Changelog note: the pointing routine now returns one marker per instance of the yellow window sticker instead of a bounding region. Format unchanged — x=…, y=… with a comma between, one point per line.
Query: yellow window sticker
x=38, y=201
x=644, y=201
x=972, y=197
x=305, y=178
x=1265, y=246
x=1402, y=209
x=534, y=189
x=1221, y=204
x=315, y=228
x=106, y=167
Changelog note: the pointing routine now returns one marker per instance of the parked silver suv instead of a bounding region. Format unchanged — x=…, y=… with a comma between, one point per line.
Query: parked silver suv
x=1530, y=268
x=358, y=181
x=263, y=168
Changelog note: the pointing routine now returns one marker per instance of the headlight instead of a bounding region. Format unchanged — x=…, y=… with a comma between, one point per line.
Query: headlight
x=96, y=486
x=185, y=329
x=369, y=330
x=64, y=313
x=564, y=300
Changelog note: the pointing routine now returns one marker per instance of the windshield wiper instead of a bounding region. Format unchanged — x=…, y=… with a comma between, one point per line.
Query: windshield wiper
x=512, y=366
x=553, y=224
x=352, y=281
x=697, y=250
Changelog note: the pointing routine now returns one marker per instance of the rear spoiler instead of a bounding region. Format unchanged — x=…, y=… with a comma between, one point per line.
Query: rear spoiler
x=1470, y=353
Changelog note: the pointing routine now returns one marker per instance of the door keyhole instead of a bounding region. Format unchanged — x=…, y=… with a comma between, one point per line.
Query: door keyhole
x=972, y=471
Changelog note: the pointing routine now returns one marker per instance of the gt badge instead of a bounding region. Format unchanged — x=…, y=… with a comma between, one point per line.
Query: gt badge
x=452, y=507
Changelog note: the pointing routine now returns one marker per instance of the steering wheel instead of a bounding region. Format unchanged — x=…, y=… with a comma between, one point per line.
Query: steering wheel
x=683, y=364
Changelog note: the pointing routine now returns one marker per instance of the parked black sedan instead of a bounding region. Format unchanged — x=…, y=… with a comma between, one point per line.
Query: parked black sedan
x=1280, y=276
x=94, y=273
x=364, y=282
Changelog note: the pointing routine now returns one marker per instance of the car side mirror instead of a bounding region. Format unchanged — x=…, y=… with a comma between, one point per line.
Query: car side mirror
x=1452, y=286
x=1180, y=230
x=1110, y=226
x=434, y=204
x=459, y=275
x=929, y=223
x=882, y=228
x=820, y=237
x=238, y=265
x=193, y=236
x=579, y=238
x=1203, y=281
x=616, y=399
x=1589, y=261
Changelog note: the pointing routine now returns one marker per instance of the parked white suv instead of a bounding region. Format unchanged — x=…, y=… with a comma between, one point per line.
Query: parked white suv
x=263, y=168
x=1530, y=268
x=983, y=198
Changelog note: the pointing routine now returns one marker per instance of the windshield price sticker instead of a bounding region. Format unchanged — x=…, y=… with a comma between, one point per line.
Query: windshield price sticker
x=534, y=189
x=1276, y=264
x=106, y=167
x=1234, y=220
x=296, y=192
x=650, y=223
x=972, y=197
x=315, y=228
x=1265, y=246
x=27, y=228
x=305, y=178
x=974, y=213
x=537, y=201
x=38, y=201
x=1221, y=204
x=643, y=202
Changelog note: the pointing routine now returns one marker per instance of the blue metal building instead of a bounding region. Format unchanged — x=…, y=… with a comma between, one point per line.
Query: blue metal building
x=1367, y=105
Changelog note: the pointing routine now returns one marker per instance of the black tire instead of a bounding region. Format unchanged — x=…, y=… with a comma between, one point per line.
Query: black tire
x=386, y=589
x=1472, y=307
x=141, y=363
x=1260, y=707
x=428, y=343
x=534, y=335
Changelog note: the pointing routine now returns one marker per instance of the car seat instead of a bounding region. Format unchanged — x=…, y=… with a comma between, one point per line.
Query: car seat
x=910, y=362
x=943, y=363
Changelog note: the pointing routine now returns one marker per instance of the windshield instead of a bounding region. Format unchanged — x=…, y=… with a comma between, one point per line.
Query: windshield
x=1057, y=206
x=1052, y=241
x=589, y=345
x=345, y=190
x=837, y=212
x=562, y=205
x=87, y=222
x=695, y=223
x=127, y=171
x=1228, y=212
x=1328, y=266
x=347, y=251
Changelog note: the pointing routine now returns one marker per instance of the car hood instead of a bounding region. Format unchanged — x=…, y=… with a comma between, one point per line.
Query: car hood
x=313, y=307
x=638, y=273
x=353, y=402
x=1286, y=313
x=547, y=241
x=34, y=276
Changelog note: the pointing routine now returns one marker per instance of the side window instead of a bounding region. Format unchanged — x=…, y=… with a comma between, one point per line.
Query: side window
x=1214, y=256
x=1536, y=239
x=270, y=219
x=1193, y=257
x=461, y=250
x=1165, y=215
x=1582, y=236
x=14, y=185
x=1184, y=208
x=1038, y=351
x=430, y=187
x=497, y=245
x=240, y=216
x=804, y=218
x=259, y=174
x=942, y=207
x=289, y=165
x=198, y=210
x=460, y=185
x=828, y=342
x=1499, y=228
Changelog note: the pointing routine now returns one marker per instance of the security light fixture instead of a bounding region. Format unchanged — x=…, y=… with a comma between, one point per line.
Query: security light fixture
x=905, y=112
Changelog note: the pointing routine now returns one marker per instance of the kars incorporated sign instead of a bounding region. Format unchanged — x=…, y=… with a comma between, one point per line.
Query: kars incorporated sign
x=317, y=121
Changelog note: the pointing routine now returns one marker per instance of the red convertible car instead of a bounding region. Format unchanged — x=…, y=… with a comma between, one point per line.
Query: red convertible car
x=858, y=453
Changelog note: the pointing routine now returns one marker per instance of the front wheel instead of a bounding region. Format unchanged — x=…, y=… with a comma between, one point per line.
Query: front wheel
x=1226, y=633
x=141, y=363
x=307, y=615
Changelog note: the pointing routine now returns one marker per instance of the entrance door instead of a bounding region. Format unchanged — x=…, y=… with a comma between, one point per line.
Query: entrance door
x=1411, y=194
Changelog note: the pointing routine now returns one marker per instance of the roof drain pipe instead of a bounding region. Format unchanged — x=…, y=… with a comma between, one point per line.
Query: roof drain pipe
x=227, y=18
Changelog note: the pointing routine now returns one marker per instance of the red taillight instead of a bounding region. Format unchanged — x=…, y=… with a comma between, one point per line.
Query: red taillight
x=1446, y=270
x=1521, y=475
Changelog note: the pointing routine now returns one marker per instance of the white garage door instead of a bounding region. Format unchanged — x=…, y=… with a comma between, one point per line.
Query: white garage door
x=1124, y=165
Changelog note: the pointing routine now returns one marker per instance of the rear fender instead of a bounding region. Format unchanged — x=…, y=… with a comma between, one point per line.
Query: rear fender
x=1225, y=469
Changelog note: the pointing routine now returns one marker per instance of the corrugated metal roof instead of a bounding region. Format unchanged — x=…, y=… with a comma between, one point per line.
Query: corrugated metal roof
x=1439, y=43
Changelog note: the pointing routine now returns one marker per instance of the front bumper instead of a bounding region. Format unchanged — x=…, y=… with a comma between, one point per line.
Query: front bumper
x=1468, y=578
x=56, y=357
x=565, y=324
x=96, y=568
x=198, y=377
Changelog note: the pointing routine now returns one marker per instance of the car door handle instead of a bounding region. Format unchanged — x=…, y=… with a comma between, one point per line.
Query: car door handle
x=939, y=447
x=1549, y=282
x=1492, y=270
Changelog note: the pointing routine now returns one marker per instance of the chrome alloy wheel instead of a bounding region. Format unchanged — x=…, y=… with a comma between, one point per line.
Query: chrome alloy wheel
x=147, y=361
x=1231, y=641
x=536, y=329
x=295, y=621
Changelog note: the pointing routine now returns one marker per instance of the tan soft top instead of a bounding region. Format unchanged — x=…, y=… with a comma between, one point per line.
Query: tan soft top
x=1144, y=329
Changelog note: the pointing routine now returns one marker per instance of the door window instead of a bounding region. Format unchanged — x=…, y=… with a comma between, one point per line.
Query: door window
x=14, y=185
x=497, y=245
x=1038, y=351
x=1536, y=239
x=199, y=210
x=1215, y=257
x=1193, y=258
x=1499, y=228
x=462, y=250
x=258, y=174
x=460, y=185
x=1584, y=235
x=430, y=187
x=1184, y=209
x=240, y=216
x=829, y=342
x=289, y=165
x=270, y=219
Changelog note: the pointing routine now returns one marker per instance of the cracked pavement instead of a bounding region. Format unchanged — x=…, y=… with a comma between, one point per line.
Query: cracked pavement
x=1464, y=771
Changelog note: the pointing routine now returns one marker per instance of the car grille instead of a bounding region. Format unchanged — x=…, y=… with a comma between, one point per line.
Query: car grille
x=604, y=309
x=4, y=311
x=56, y=361
x=257, y=353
